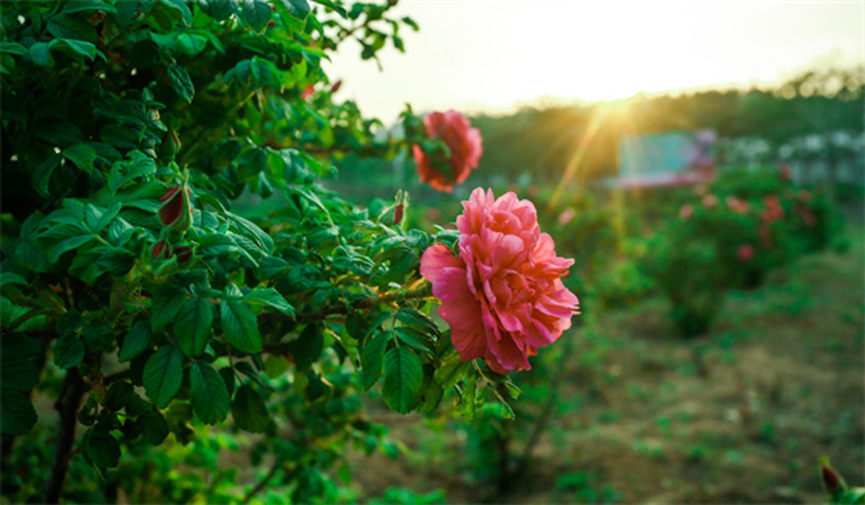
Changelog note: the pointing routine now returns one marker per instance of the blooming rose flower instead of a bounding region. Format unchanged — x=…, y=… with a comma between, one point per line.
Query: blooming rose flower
x=745, y=252
x=710, y=201
x=502, y=296
x=464, y=143
x=686, y=211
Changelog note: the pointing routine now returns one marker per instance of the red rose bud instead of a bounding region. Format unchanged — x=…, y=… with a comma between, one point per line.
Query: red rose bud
x=336, y=86
x=183, y=253
x=397, y=214
x=175, y=210
x=160, y=248
x=832, y=481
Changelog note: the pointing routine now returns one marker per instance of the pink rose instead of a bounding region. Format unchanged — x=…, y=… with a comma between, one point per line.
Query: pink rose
x=686, y=211
x=464, y=143
x=745, y=252
x=503, y=296
x=710, y=201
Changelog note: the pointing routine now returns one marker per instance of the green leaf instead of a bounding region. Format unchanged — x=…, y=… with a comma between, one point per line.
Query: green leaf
x=163, y=374
x=119, y=395
x=73, y=27
x=249, y=411
x=331, y=5
x=415, y=339
x=101, y=448
x=256, y=14
x=209, y=396
x=417, y=320
x=451, y=371
x=240, y=326
x=219, y=9
x=430, y=396
x=227, y=375
x=68, y=351
x=166, y=303
x=371, y=358
x=88, y=6
x=154, y=427
x=19, y=416
x=403, y=377
x=275, y=365
x=181, y=83
x=271, y=297
x=17, y=369
x=190, y=43
x=73, y=236
x=250, y=371
x=468, y=405
x=192, y=326
x=82, y=155
x=180, y=7
x=40, y=52
x=13, y=48
x=76, y=48
x=307, y=347
x=298, y=8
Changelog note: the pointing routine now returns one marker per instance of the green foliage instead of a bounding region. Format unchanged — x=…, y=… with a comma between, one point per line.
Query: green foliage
x=134, y=135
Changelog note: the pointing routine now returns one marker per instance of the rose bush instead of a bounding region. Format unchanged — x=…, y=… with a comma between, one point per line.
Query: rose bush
x=171, y=260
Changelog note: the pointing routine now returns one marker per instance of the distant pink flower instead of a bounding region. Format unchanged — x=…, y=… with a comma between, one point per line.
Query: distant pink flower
x=786, y=171
x=465, y=147
x=686, y=211
x=745, y=252
x=773, y=210
x=710, y=201
x=808, y=216
x=503, y=296
x=567, y=215
x=307, y=92
x=803, y=195
x=736, y=205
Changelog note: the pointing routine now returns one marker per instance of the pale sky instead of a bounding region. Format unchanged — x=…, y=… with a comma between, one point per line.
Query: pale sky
x=491, y=55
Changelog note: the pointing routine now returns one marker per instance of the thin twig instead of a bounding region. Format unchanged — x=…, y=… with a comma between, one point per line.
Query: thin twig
x=277, y=465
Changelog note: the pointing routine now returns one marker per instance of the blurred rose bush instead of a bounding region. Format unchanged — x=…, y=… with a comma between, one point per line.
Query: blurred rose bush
x=443, y=167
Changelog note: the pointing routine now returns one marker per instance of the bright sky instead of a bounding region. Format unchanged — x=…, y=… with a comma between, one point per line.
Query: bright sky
x=490, y=55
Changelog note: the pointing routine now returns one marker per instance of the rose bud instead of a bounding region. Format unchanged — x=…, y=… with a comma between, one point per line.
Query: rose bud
x=183, y=253
x=175, y=210
x=397, y=214
x=161, y=247
x=832, y=480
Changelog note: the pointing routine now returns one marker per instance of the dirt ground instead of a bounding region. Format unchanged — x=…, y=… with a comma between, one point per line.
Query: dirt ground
x=738, y=416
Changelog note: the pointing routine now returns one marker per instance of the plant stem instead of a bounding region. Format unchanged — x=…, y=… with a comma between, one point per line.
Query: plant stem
x=364, y=303
x=67, y=406
x=277, y=465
